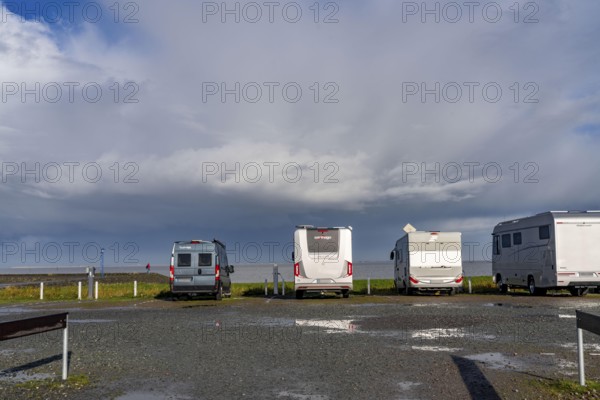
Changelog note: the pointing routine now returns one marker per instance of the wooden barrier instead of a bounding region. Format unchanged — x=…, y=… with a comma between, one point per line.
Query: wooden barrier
x=32, y=326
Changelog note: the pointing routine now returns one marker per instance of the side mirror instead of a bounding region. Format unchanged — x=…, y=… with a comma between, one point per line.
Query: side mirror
x=392, y=255
x=231, y=269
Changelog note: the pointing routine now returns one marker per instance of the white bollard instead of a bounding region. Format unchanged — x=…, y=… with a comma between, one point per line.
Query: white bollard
x=96, y=291
x=78, y=290
x=41, y=290
x=275, y=280
x=580, y=356
x=470, y=286
x=266, y=288
x=369, y=285
x=134, y=288
x=65, y=350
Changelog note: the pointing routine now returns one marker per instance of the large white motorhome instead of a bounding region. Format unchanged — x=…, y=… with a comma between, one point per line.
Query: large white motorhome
x=322, y=260
x=551, y=250
x=427, y=261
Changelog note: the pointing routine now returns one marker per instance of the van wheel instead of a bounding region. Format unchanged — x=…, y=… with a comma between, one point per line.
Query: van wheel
x=407, y=290
x=533, y=290
x=502, y=287
x=219, y=294
x=299, y=294
x=345, y=293
x=578, y=292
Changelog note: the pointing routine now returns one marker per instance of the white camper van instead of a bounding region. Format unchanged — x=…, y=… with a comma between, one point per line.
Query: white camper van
x=322, y=260
x=427, y=261
x=551, y=250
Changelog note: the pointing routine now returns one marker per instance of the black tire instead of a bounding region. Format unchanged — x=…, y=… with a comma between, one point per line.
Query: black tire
x=219, y=294
x=531, y=285
x=578, y=292
x=345, y=293
x=452, y=292
x=502, y=287
x=299, y=294
x=407, y=290
x=533, y=290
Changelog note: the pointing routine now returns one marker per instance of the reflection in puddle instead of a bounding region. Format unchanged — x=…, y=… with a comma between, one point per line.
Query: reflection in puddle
x=330, y=325
x=436, y=348
x=506, y=305
x=439, y=333
x=297, y=396
x=407, y=385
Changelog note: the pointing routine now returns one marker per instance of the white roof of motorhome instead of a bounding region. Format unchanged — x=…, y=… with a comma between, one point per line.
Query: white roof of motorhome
x=555, y=215
x=428, y=235
x=322, y=227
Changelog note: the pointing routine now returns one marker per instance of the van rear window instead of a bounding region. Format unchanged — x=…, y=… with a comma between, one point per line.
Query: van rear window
x=184, y=260
x=323, y=240
x=204, y=259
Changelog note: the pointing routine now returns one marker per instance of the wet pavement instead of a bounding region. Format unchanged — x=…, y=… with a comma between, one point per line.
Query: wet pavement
x=387, y=347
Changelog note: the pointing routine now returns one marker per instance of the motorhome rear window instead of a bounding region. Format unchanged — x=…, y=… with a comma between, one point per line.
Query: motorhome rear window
x=323, y=240
x=496, y=244
x=204, y=259
x=544, y=232
x=506, y=240
x=184, y=260
x=517, y=239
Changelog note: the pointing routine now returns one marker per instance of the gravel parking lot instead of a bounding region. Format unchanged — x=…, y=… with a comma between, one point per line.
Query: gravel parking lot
x=397, y=347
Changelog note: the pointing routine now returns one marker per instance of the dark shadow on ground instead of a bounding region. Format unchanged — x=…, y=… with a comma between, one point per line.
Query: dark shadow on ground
x=35, y=364
x=478, y=385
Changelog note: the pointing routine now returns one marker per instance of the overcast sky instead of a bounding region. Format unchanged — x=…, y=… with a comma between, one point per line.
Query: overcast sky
x=130, y=125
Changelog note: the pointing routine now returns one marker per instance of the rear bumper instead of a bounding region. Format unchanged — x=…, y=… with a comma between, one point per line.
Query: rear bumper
x=318, y=287
x=193, y=287
x=435, y=286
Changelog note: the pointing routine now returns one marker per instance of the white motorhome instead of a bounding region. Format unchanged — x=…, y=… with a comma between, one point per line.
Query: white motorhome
x=551, y=250
x=427, y=261
x=322, y=260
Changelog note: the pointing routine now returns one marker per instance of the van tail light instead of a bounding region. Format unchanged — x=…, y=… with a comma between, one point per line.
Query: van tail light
x=349, y=268
x=297, y=269
x=217, y=272
x=171, y=273
x=459, y=279
x=413, y=280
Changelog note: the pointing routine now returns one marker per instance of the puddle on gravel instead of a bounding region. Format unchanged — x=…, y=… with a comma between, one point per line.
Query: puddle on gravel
x=497, y=361
x=330, y=325
x=90, y=321
x=586, y=346
x=20, y=377
x=296, y=396
x=408, y=385
x=151, y=396
x=444, y=333
x=437, y=348
x=505, y=305
x=14, y=310
x=8, y=352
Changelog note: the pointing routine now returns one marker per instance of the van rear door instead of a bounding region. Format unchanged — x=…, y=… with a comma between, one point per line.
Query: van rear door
x=324, y=257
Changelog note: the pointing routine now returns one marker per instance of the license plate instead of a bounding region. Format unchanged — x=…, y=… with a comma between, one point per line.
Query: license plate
x=184, y=279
